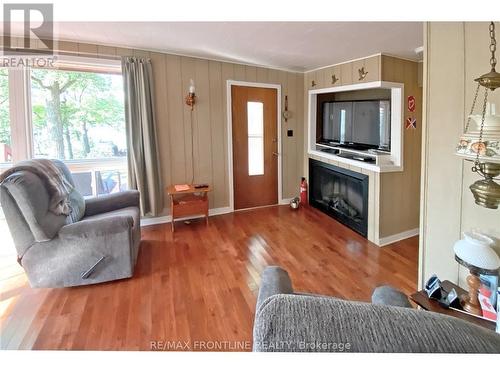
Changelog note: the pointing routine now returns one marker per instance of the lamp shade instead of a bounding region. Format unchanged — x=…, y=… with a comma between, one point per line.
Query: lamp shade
x=475, y=250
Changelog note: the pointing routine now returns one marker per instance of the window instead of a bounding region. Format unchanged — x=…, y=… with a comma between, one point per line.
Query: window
x=5, y=133
x=255, y=120
x=75, y=113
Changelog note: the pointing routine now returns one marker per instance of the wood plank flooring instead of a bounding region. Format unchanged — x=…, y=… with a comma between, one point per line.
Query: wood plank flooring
x=196, y=289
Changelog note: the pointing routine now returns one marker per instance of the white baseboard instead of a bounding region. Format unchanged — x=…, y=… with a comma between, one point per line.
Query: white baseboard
x=145, y=221
x=285, y=201
x=398, y=237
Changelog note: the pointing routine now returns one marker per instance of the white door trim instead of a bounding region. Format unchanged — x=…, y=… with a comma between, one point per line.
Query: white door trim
x=277, y=87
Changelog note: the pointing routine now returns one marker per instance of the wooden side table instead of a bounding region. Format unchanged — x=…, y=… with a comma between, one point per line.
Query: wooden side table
x=191, y=202
x=421, y=299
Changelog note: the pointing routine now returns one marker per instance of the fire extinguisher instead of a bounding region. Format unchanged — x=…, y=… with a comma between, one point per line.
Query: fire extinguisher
x=303, y=192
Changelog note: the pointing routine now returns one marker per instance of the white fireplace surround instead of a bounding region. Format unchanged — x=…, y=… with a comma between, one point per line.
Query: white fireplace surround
x=388, y=163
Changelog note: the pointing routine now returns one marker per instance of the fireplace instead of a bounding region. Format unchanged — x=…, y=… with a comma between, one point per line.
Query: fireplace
x=340, y=193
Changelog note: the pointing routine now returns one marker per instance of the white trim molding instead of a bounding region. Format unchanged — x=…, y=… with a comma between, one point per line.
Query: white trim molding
x=146, y=221
x=277, y=87
x=398, y=237
x=285, y=201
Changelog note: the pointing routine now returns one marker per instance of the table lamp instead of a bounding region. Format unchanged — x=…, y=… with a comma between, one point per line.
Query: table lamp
x=475, y=253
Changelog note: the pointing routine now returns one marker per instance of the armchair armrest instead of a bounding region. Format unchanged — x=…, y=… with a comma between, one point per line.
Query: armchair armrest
x=387, y=295
x=111, y=202
x=92, y=228
x=274, y=280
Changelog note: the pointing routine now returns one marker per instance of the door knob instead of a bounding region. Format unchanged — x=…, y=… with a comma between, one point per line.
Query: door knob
x=275, y=154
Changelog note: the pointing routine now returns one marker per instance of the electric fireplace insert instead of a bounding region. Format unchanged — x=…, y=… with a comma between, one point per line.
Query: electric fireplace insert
x=340, y=193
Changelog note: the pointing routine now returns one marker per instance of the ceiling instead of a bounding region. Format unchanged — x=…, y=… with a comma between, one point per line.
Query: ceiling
x=296, y=46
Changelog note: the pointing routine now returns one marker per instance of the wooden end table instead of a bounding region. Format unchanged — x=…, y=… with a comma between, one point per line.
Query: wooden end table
x=421, y=299
x=191, y=202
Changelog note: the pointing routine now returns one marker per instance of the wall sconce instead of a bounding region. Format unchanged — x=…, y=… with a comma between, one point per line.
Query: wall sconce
x=191, y=96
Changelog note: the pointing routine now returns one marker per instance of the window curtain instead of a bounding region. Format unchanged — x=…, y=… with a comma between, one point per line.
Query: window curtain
x=142, y=155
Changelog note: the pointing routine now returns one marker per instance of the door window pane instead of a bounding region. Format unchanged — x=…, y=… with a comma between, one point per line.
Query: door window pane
x=77, y=115
x=5, y=133
x=255, y=120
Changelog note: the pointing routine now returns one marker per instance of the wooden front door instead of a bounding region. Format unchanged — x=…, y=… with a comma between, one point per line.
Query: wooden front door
x=255, y=146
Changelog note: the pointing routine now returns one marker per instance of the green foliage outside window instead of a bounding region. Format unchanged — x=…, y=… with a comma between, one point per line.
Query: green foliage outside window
x=77, y=115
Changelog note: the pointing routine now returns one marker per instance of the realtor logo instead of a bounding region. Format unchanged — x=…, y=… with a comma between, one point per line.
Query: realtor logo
x=36, y=21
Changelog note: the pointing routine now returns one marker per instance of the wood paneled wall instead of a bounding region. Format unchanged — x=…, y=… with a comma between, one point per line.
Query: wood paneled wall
x=209, y=118
x=400, y=191
x=455, y=54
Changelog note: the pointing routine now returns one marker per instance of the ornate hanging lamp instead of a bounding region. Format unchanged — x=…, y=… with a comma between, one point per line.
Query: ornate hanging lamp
x=481, y=144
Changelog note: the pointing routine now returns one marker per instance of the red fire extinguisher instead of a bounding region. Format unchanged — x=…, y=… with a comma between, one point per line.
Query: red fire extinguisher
x=303, y=192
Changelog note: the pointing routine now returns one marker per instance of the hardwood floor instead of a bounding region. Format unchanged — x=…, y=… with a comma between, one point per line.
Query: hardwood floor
x=196, y=289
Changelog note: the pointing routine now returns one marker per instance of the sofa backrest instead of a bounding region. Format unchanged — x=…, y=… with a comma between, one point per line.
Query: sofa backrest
x=288, y=322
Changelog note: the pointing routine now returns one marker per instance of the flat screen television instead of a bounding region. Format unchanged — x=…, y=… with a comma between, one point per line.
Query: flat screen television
x=363, y=124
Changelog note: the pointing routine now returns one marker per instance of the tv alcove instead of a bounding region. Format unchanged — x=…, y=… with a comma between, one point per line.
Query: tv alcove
x=357, y=147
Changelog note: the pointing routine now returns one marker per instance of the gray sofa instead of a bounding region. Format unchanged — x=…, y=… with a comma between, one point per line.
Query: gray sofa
x=56, y=251
x=288, y=321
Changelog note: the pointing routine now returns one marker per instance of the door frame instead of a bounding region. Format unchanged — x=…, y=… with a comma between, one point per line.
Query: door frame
x=229, y=85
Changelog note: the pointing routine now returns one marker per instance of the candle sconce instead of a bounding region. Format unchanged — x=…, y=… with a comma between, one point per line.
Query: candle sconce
x=191, y=96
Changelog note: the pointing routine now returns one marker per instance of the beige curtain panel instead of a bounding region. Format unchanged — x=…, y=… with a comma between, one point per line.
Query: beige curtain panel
x=143, y=160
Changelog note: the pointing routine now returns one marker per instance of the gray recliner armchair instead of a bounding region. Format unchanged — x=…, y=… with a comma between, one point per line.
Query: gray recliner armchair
x=55, y=250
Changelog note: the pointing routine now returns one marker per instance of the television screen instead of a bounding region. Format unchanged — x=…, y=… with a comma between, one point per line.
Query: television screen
x=363, y=123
